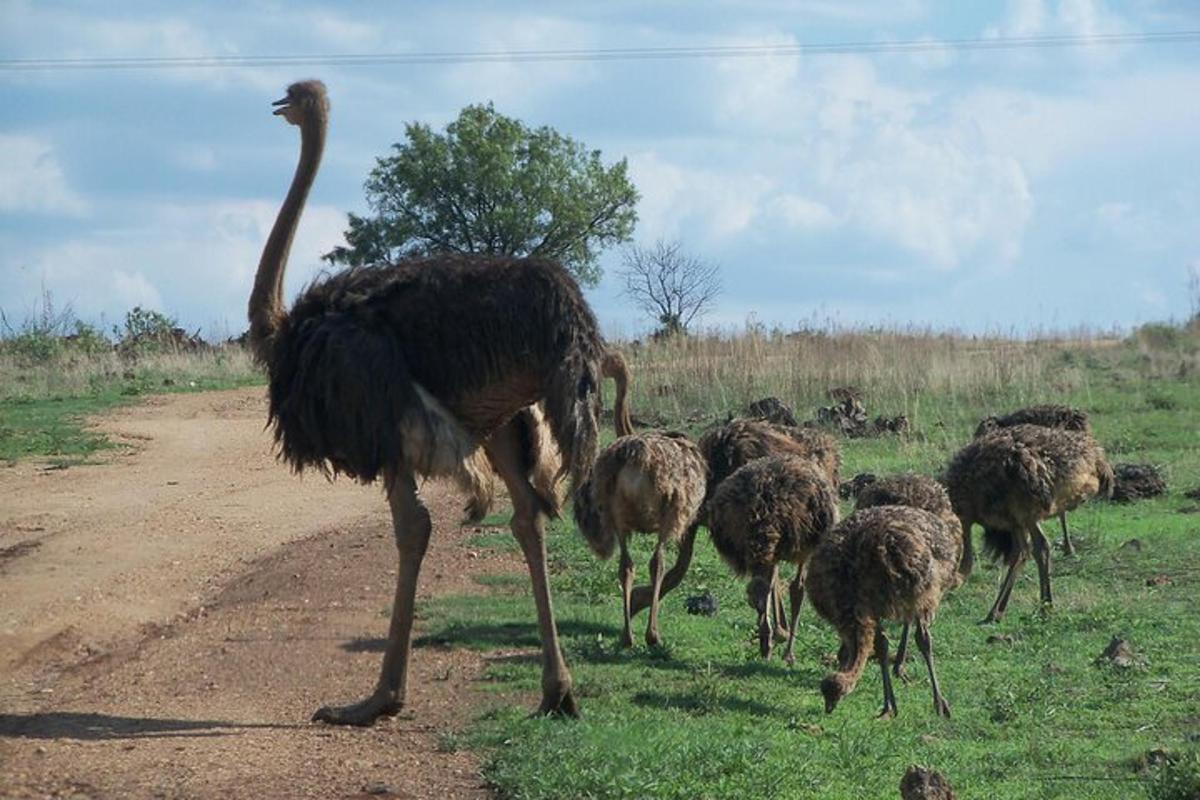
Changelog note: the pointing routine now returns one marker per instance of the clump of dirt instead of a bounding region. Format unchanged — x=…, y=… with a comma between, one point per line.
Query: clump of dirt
x=848, y=416
x=1120, y=653
x=772, y=409
x=1137, y=482
x=921, y=783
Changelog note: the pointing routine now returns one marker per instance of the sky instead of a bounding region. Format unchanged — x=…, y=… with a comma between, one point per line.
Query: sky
x=982, y=191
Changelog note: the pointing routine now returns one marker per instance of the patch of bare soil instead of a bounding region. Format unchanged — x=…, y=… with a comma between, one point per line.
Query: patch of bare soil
x=167, y=642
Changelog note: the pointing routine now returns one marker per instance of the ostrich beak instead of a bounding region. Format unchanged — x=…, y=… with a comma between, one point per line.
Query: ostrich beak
x=281, y=105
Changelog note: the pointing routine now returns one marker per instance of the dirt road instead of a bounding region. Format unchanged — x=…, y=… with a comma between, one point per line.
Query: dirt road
x=169, y=620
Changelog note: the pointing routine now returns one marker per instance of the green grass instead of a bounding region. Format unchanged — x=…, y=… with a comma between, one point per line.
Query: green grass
x=44, y=408
x=1034, y=717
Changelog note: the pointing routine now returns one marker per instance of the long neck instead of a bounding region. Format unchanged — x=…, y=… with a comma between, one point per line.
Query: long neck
x=614, y=367
x=266, y=300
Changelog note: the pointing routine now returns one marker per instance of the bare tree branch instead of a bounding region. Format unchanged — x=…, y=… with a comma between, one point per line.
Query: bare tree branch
x=669, y=285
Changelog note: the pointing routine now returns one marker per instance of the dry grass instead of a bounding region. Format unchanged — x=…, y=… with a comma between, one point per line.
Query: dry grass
x=927, y=376
x=70, y=373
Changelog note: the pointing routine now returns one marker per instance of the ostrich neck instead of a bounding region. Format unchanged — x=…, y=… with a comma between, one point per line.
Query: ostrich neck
x=266, y=300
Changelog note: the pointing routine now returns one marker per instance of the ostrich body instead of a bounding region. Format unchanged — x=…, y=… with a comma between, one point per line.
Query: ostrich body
x=649, y=482
x=772, y=511
x=914, y=491
x=884, y=562
x=1011, y=479
x=1047, y=416
x=422, y=369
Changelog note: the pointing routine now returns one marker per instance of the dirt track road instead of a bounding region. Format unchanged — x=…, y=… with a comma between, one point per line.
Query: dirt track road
x=169, y=620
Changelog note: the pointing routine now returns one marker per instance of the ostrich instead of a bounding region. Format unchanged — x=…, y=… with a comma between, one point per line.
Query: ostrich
x=771, y=511
x=884, y=562
x=1047, y=416
x=914, y=491
x=419, y=369
x=734, y=444
x=730, y=446
x=649, y=482
x=1010, y=480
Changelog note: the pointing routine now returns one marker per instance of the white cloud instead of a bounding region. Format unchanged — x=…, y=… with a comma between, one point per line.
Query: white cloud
x=802, y=212
x=31, y=178
x=715, y=205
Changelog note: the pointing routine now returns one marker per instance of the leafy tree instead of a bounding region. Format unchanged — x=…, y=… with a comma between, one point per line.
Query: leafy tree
x=669, y=285
x=491, y=185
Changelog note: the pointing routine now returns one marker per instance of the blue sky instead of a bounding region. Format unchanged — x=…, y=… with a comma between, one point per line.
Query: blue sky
x=1011, y=190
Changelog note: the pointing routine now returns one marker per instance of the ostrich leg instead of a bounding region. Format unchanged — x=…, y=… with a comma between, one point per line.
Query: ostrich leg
x=528, y=526
x=889, y=696
x=1041, y=554
x=1006, y=587
x=1067, y=547
x=625, y=575
x=796, y=591
x=412, y=526
x=674, y=576
x=925, y=642
x=656, y=573
x=898, y=668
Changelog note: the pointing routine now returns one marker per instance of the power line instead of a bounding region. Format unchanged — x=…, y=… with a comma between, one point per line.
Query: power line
x=611, y=54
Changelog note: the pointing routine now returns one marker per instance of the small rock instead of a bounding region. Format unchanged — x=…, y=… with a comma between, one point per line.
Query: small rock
x=1159, y=580
x=40, y=750
x=1133, y=544
x=704, y=605
x=378, y=789
x=920, y=783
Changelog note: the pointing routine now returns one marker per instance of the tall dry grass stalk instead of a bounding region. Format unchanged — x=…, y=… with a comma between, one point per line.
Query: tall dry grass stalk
x=897, y=372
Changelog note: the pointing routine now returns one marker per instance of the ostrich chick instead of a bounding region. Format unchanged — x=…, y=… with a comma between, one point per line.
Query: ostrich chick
x=914, y=491
x=886, y=562
x=772, y=511
x=649, y=482
x=1047, y=416
x=734, y=444
x=1010, y=480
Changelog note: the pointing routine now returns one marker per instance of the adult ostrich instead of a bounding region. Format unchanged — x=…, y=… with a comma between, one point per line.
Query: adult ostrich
x=419, y=369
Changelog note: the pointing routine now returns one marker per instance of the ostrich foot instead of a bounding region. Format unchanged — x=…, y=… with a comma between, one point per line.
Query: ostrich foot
x=941, y=707
x=901, y=672
x=559, y=703
x=1068, y=548
x=889, y=712
x=991, y=619
x=626, y=639
x=361, y=714
x=653, y=639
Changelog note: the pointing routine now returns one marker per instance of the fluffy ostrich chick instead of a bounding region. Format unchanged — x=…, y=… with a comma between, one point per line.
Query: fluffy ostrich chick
x=650, y=482
x=772, y=511
x=1010, y=480
x=881, y=563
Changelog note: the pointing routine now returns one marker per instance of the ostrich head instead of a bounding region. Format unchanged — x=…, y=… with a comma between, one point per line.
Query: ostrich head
x=987, y=425
x=834, y=687
x=303, y=99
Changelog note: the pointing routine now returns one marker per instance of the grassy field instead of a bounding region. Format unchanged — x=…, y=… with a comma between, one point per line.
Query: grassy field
x=1036, y=715
x=45, y=401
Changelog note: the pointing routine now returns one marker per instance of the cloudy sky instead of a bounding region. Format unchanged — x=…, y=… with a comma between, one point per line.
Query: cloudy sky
x=979, y=190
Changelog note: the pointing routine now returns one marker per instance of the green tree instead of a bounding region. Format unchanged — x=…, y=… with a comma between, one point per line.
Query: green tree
x=489, y=184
